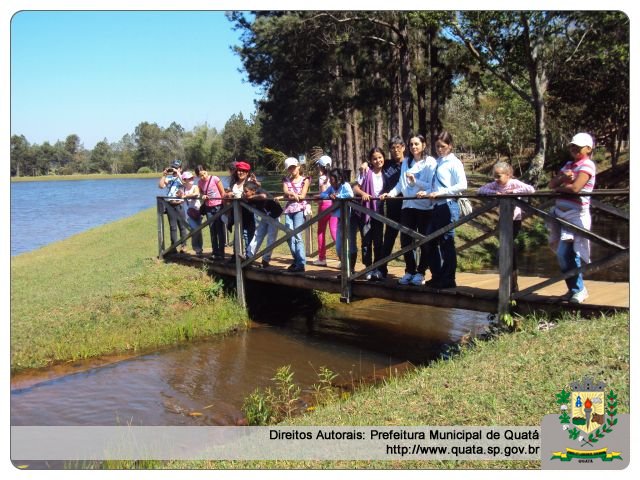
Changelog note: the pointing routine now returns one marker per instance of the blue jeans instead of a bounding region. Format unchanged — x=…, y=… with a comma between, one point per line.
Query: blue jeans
x=196, y=238
x=263, y=229
x=568, y=260
x=443, y=259
x=296, y=245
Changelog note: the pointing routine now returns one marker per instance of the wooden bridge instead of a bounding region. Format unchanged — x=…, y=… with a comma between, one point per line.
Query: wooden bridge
x=487, y=292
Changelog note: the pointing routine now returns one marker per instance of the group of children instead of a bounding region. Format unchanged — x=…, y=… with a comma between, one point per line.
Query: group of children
x=427, y=187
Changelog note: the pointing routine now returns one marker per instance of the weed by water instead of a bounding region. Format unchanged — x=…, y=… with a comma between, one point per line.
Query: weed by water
x=283, y=400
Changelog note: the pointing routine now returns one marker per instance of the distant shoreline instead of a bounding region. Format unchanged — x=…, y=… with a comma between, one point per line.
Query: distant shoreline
x=89, y=176
x=93, y=176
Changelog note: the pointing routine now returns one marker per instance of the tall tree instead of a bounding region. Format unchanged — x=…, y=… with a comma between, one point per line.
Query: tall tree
x=516, y=47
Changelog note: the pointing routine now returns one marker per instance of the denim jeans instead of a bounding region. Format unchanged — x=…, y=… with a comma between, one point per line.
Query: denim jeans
x=568, y=259
x=216, y=231
x=263, y=229
x=177, y=221
x=196, y=238
x=296, y=245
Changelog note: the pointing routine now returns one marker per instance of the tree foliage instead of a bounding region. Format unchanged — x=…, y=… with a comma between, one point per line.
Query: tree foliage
x=505, y=83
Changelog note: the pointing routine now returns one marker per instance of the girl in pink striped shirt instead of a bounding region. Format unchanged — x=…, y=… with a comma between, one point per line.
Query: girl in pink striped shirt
x=576, y=176
x=505, y=184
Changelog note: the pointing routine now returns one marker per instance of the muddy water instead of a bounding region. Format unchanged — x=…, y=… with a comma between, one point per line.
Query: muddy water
x=206, y=383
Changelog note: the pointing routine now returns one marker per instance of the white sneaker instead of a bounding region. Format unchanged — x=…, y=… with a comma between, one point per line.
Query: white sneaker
x=376, y=275
x=368, y=276
x=406, y=279
x=320, y=263
x=580, y=296
x=418, y=279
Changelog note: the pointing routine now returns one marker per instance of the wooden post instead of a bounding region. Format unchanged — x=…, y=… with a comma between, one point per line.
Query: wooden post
x=505, y=256
x=345, y=268
x=160, y=208
x=239, y=252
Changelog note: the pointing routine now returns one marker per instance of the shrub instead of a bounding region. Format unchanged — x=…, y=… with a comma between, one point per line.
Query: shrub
x=145, y=170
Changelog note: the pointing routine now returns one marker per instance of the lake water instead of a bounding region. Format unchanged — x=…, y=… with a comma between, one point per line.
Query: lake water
x=45, y=212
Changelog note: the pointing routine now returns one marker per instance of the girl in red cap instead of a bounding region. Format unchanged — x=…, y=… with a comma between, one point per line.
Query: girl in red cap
x=241, y=175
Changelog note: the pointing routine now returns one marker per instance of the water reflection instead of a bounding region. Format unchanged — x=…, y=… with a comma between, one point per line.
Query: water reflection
x=45, y=212
x=206, y=383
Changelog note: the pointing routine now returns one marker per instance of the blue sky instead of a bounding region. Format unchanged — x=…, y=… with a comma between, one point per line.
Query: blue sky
x=100, y=73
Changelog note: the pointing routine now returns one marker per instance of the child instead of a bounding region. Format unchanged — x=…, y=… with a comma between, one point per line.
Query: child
x=191, y=194
x=576, y=176
x=324, y=163
x=295, y=186
x=340, y=188
x=370, y=186
x=505, y=184
x=265, y=202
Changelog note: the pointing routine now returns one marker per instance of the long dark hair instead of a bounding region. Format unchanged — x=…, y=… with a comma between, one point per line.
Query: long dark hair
x=375, y=150
x=338, y=174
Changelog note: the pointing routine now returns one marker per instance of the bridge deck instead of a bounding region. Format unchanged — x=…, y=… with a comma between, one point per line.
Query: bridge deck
x=475, y=291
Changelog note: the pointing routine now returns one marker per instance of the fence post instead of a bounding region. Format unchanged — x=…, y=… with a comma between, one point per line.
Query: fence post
x=237, y=242
x=160, y=215
x=345, y=267
x=505, y=257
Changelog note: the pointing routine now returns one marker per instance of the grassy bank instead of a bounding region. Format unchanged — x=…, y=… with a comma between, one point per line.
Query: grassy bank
x=104, y=292
x=511, y=379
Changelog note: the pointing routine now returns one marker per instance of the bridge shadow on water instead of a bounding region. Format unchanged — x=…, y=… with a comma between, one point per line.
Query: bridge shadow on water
x=406, y=332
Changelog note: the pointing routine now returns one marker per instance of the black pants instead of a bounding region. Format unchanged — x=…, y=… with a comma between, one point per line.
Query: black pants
x=394, y=212
x=372, y=238
x=418, y=220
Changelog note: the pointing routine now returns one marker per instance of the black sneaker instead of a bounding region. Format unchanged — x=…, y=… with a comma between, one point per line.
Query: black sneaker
x=297, y=268
x=265, y=264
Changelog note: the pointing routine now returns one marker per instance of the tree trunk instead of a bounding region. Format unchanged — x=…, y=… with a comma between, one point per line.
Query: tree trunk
x=379, y=128
x=421, y=92
x=534, y=45
x=395, y=117
x=436, y=83
x=405, y=78
x=348, y=141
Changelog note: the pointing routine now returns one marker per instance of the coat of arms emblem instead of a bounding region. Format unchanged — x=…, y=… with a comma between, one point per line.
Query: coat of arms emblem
x=587, y=413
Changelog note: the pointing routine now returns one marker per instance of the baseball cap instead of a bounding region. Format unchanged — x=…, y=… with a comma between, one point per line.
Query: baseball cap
x=243, y=166
x=187, y=175
x=289, y=162
x=176, y=163
x=582, y=140
x=324, y=161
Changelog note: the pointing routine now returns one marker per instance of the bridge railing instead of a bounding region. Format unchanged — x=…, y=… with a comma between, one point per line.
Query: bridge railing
x=484, y=207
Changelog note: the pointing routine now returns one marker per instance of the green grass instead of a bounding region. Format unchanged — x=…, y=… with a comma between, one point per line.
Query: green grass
x=508, y=380
x=104, y=292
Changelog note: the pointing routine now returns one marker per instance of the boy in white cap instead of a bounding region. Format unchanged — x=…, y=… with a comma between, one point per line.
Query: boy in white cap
x=576, y=176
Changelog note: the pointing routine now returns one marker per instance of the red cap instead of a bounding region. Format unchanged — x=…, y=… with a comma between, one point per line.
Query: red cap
x=243, y=166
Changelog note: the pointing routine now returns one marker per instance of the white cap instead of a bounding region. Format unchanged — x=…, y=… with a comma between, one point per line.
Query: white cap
x=324, y=161
x=582, y=140
x=290, y=162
